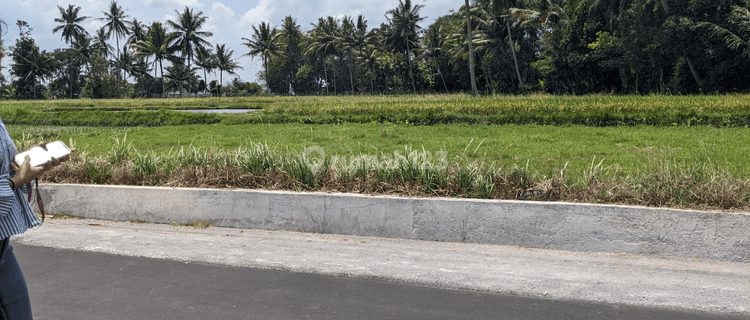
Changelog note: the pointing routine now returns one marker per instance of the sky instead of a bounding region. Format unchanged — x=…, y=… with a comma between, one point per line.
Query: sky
x=228, y=20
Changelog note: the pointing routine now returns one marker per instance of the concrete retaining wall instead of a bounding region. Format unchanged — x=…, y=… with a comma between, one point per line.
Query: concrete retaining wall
x=550, y=225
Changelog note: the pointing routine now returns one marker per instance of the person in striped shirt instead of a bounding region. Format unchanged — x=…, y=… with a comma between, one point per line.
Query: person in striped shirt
x=16, y=217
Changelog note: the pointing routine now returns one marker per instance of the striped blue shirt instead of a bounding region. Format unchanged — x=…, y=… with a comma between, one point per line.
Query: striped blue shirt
x=16, y=215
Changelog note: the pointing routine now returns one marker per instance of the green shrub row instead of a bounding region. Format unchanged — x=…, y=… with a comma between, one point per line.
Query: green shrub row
x=165, y=117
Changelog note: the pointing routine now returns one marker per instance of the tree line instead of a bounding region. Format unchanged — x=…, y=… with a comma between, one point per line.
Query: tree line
x=485, y=47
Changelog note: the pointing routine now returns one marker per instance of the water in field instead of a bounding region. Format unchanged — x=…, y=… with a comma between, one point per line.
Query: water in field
x=220, y=110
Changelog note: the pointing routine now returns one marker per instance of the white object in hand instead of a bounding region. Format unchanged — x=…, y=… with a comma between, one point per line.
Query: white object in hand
x=40, y=157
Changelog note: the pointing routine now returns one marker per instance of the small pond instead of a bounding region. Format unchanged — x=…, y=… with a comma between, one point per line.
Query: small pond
x=220, y=110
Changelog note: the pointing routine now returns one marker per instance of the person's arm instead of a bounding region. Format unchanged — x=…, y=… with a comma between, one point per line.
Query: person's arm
x=25, y=173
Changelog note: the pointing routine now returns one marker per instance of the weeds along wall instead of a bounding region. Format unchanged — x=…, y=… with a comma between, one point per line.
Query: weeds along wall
x=411, y=173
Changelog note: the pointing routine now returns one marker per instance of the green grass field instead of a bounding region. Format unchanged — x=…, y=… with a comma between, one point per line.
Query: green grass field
x=545, y=150
x=686, y=151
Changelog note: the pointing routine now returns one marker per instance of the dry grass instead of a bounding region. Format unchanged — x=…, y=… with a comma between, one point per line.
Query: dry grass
x=665, y=185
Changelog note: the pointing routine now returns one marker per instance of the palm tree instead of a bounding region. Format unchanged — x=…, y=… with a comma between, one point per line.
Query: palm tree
x=737, y=37
x=205, y=59
x=291, y=35
x=433, y=40
x=157, y=44
x=178, y=74
x=546, y=13
x=117, y=24
x=100, y=44
x=224, y=62
x=503, y=8
x=290, y=31
x=70, y=24
x=71, y=29
x=322, y=42
x=35, y=66
x=470, y=39
x=264, y=42
x=404, y=31
x=125, y=61
x=188, y=37
x=346, y=43
x=369, y=58
x=138, y=32
x=82, y=45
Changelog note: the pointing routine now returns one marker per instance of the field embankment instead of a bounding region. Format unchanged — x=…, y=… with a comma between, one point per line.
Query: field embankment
x=719, y=110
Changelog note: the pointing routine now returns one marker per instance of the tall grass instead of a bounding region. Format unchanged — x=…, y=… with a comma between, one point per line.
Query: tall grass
x=662, y=182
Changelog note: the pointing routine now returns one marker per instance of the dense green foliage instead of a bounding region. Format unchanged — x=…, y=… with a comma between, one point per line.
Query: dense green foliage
x=554, y=46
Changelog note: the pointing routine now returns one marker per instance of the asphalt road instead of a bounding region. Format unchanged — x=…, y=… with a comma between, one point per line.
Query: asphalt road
x=67, y=284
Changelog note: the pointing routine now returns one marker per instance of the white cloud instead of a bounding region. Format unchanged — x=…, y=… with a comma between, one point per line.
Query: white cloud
x=220, y=11
x=173, y=4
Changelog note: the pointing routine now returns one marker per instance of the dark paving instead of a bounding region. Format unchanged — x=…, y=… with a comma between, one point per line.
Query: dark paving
x=80, y=285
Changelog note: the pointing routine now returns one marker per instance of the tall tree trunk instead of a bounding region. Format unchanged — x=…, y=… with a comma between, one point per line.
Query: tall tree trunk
x=161, y=70
x=190, y=85
x=411, y=75
x=265, y=65
x=469, y=38
x=205, y=82
x=665, y=5
x=325, y=70
x=351, y=78
x=695, y=73
x=443, y=79
x=693, y=69
x=513, y=50
x=486, y=71
x=117, y=42
x=372, y=84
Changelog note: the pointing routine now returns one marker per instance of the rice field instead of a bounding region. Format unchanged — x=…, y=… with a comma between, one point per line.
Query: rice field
x=677, y=151
x=596, y=110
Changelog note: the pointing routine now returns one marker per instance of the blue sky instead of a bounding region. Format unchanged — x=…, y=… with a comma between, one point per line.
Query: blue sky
x=229, y=20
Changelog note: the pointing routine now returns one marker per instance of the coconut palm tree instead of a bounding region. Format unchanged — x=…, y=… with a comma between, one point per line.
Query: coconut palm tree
x=138, y=32
x=263, y=42
x=224, y=62
x=83, y=45
x=70, y=24
x=737, y=37
x=291, y=35
x=117, y=24
x=433, y=40
x=404, y=31
x=71, y=28
x=189, y=36
x=322, y=42
x=100, y=44
x=346, y=43
x=35, y=67
x=206, y=60
x=503, y=9
x=157, y=44
x=369, y=58
x=178, y=74
x=469, y=39
x=125, y=61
